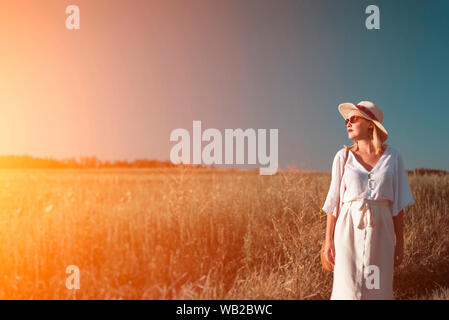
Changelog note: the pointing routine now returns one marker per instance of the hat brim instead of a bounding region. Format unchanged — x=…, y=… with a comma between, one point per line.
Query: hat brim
x=345, y=108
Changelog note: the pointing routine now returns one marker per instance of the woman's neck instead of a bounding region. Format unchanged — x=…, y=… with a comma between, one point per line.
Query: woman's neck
x=367, y=147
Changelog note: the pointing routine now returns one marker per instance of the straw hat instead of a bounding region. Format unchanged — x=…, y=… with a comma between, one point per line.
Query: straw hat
x=369, y=111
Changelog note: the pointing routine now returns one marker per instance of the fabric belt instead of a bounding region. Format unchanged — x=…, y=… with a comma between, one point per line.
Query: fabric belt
x=365, y=206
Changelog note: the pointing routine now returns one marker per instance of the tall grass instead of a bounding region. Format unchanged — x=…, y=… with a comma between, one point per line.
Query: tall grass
x=192, y=234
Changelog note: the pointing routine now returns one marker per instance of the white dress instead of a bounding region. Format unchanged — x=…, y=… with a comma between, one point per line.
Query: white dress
x=364, y=232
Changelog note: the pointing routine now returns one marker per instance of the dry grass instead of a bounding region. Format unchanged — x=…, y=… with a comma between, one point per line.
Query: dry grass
x=192, y=234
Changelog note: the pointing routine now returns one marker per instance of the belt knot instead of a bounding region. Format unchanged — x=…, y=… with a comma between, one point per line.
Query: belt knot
x=366, y=217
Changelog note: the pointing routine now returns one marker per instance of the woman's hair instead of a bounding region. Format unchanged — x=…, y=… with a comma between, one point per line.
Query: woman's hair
x=375, y=140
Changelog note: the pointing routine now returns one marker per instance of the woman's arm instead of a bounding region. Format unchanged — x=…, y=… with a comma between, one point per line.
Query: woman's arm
x=398, y=230
x=329, y=250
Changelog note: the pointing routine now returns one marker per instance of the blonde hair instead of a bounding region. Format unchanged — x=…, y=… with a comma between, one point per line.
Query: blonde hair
x=375, y=140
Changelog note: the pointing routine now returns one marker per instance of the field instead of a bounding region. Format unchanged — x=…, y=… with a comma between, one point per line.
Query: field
x=193, y=234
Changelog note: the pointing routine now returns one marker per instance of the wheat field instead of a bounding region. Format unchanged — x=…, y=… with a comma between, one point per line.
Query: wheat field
x=193, y=234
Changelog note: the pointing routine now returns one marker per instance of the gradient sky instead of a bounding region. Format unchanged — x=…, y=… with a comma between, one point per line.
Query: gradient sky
x=137, y=69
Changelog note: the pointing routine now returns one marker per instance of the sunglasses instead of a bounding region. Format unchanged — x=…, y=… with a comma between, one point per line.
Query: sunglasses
x=352, y=119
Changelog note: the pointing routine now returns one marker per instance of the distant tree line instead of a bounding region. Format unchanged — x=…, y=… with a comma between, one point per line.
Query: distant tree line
x=26, y=161
x=423, y=171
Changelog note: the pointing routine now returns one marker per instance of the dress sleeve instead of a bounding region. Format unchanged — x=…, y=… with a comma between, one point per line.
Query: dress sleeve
x=332, y=196
x=402, y=194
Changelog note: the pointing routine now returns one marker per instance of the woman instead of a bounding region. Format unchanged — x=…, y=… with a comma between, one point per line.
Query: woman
x=365, y=242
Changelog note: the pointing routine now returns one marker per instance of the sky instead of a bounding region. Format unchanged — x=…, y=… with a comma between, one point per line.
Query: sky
x=138, y=69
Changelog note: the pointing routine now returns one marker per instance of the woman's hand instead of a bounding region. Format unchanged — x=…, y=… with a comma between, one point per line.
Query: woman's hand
x=399, y=235
x=329, y=251
x=398, y=253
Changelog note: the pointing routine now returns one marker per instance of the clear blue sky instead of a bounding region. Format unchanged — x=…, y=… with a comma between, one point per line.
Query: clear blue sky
x=137, y=69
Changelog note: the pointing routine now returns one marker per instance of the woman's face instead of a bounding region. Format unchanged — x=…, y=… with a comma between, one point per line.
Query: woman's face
x=359, y=129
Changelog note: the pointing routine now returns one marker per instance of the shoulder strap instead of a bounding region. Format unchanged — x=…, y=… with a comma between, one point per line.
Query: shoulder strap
x=343, y=172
